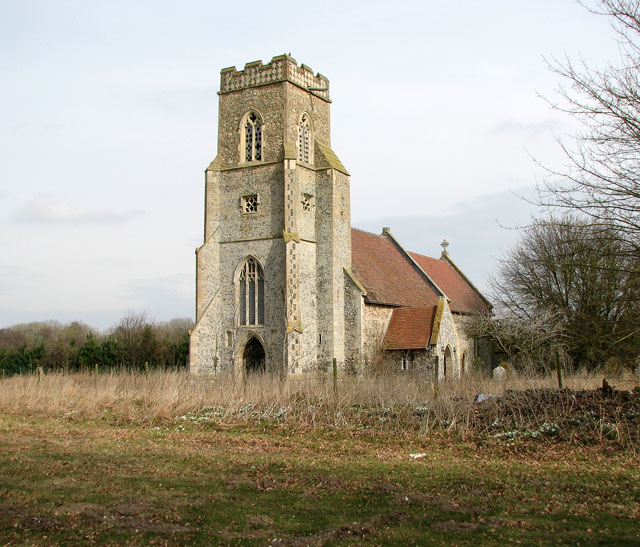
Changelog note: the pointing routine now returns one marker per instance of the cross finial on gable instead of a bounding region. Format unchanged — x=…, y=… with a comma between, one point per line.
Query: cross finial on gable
x=444, y=245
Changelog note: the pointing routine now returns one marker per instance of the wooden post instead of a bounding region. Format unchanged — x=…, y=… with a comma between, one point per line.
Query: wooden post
x=335, y=378
x=558, y=369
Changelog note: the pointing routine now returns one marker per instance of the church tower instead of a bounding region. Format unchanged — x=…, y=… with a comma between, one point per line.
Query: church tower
x=271, y=272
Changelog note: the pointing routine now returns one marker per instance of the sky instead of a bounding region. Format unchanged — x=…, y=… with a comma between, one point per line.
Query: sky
x=108, y=118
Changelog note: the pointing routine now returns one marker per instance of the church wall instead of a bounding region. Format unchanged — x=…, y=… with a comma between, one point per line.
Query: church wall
x=308, y=305
x=466, y=344
x=266, y=182
x=219, y=319
x=353, y=309
x=233, y=236
x=333, y=234
x=306, y=220
x=375, y=320
x=324, y=269
x=268, y=101
x=448, y=337
x=422, y=363
x=207, y=273
x=300, y=101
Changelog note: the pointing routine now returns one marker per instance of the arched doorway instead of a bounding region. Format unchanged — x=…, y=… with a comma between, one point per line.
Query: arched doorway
x=448, y=363
x=253, y=357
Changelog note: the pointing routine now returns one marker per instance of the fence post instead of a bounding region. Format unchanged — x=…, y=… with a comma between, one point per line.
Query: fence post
x=335, y=378
x=558, y=370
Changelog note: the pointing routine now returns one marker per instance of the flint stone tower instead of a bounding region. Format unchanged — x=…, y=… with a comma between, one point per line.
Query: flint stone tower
x=276, y=256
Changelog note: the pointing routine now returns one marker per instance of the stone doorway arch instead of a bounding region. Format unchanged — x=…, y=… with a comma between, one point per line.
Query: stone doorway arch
x=253, y=357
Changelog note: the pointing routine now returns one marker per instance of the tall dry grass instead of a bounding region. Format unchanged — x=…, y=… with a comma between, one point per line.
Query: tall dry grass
x=400, y=403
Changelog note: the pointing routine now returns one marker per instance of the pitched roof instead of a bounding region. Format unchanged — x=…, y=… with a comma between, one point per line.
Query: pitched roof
x=462, y=296
x=387, y=274
x=409, y=328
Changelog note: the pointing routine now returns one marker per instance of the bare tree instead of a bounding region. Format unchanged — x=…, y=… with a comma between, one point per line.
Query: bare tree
x=129, y=336
x=602, y=180
x=529, y=343
x=577, y=272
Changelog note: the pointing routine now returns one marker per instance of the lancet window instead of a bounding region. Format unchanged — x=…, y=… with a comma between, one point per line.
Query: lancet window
x=250, y=293
x=252, y=136
x=304, y=139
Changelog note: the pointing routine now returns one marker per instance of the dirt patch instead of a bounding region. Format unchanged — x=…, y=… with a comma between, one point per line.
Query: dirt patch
x=127, y=516
x=238, y=480
x=87, y=510
x=356, y=529
x=263, y=484
x=259, y=521
x=127, y=508
x=455, y=526
x=18, y=517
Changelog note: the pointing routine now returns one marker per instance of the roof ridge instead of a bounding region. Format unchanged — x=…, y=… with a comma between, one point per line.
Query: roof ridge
x=448, y=260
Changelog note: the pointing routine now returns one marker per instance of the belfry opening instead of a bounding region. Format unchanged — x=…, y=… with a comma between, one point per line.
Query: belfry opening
x=253, y=357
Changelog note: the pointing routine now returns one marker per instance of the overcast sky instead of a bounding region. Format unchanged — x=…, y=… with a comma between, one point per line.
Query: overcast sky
x=108, y=118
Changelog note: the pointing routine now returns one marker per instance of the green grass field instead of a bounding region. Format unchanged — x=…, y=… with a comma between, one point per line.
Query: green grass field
x=66, y=481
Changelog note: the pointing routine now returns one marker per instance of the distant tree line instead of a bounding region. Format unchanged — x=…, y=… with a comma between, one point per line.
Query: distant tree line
x=134, y=343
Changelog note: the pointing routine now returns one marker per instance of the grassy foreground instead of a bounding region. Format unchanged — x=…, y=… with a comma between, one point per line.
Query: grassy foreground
x=142, y=474
x=65, y=483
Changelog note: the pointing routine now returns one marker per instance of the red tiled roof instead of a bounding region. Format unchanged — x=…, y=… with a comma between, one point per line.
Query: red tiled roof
x=461, y=296
x=387, y=273
x=409, y=328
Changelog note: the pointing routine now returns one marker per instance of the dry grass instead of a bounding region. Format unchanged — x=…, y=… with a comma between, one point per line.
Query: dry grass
x=393, y=402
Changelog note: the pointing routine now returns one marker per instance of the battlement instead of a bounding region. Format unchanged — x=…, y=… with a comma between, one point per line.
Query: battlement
x=281, y=68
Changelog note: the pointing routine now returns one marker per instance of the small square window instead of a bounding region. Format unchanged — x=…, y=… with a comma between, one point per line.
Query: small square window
x=307, y=202
x=250, y=203
x=229, y=338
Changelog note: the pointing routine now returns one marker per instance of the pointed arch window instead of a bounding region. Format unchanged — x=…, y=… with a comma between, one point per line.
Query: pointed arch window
x=252, y=137
x=250, y=293
x=304, y=139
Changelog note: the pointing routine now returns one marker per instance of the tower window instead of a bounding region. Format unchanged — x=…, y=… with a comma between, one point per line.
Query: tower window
x=304, y=139
x=250, y=293
x=250, y=203
x=307, y=202
x=252, y=137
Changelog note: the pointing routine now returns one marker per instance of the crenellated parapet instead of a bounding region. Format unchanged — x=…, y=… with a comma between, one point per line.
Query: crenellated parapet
x=281, y=68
